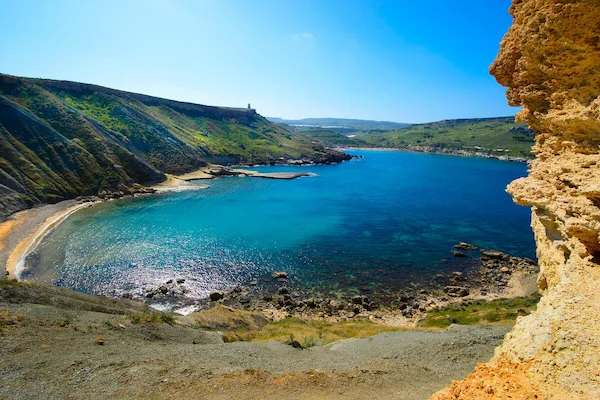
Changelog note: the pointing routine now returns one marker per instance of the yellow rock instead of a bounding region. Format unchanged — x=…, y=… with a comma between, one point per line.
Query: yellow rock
x=550, y=62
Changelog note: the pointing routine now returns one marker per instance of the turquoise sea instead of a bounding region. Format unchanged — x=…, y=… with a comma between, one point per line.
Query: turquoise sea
x=383, y=221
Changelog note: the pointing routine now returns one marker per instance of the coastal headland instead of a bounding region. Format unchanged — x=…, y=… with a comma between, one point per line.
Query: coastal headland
x=62, y=140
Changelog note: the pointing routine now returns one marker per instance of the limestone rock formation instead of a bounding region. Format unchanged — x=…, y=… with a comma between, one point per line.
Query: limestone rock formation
x=550, y=63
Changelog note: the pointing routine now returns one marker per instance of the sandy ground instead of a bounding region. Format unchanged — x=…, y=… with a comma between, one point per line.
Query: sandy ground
x=176, y=184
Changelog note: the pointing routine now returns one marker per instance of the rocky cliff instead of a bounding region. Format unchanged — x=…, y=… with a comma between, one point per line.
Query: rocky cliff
x=550, y=63
x=62, y=139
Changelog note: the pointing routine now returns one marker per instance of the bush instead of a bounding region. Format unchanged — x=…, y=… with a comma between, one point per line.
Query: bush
x=150, y=318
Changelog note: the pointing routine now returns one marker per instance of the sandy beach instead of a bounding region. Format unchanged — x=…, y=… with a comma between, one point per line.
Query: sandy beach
x=20, y=233
x=23, y=231
x=176, y=183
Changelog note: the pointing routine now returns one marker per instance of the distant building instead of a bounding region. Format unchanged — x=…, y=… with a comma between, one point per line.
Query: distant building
x=249, y=108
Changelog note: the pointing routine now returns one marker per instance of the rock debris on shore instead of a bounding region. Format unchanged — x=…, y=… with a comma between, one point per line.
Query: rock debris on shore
x=490, y=277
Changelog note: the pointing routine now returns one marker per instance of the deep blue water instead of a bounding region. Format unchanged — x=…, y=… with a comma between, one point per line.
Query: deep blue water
x=383, y=220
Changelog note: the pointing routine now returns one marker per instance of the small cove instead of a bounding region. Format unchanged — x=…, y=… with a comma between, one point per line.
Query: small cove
x=385, y=221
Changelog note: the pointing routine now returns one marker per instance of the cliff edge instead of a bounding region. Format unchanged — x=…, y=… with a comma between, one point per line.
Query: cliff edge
x=550, y=63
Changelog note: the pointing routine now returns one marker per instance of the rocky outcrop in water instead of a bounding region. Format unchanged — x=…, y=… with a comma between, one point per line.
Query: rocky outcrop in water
x=550, y=62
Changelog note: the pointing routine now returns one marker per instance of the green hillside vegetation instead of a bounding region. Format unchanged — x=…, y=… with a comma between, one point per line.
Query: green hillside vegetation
x=490, y=135
x=62, y=139
x=495, y=136
x=330, y=136
x=482, y=312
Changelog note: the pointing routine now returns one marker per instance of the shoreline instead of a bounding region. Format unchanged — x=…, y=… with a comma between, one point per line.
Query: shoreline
x=15, y=263
x=443, y=151
x=22, y=232
x=20, y=228
x=492, y=275
x=496, y=276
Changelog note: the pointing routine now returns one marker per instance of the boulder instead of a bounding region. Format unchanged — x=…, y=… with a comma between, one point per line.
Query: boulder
x=459, y=254
x=493, y=255
x=457, y=291
x=281, y=275
x=216, y=296
x=283, y=290
x=465, y=246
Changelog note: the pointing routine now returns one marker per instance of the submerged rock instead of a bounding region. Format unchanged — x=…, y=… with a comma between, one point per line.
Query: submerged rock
x=465, y=246
x=283, y=290
x=281, y=275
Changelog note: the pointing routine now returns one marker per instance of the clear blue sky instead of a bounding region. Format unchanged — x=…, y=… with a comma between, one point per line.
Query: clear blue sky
x=405, y=61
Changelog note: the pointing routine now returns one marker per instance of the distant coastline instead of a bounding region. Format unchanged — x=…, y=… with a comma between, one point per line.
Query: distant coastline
x=433, y=150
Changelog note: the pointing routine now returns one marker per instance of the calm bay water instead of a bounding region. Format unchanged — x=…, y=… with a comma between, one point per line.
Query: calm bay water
x=383, y=220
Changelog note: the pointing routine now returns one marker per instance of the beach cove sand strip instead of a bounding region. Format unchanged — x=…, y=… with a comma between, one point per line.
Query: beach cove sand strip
x=15, y=263
x=23, y=231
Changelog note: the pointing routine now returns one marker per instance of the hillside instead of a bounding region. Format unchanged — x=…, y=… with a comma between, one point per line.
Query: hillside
x=62, y=139
x=495, y=136
x=57, y=343
x=487, y=135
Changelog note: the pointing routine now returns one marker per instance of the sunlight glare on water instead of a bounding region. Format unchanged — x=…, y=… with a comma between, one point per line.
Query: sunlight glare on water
x=383, y=220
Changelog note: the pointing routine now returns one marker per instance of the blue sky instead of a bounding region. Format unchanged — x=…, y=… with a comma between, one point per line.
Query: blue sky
x=384, y=60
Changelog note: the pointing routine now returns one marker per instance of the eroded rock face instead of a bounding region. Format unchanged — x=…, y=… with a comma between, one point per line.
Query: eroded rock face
x=550, y=62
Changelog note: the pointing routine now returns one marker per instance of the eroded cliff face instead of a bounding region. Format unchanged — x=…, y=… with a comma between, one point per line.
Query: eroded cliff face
x=550, y=63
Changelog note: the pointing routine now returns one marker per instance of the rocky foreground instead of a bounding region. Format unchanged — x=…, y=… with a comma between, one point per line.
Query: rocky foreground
x=486, y=274
x=56, y=343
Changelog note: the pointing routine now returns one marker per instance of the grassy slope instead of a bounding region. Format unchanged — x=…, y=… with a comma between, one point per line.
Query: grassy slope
x=480, y=312
x=331, y=137
x=485, y=135
x=62, y=139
